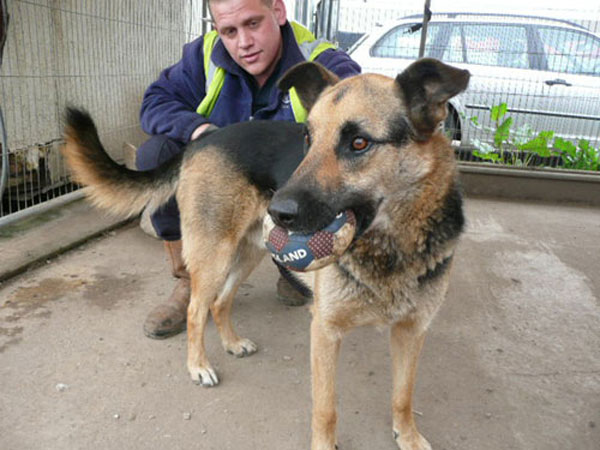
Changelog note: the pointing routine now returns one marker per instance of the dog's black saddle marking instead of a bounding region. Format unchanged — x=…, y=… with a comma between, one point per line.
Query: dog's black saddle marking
x=266, y=151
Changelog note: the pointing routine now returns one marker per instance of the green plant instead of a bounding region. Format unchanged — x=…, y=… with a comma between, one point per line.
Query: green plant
x=581, y=156
x=522, y=146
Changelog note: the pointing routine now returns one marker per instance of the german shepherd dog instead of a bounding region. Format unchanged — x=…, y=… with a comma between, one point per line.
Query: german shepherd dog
x=372, y=145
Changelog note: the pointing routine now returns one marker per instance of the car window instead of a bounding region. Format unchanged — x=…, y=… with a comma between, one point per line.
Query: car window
x=495, y=45
x=453, y=52
x=403, y=41
x=570, y=51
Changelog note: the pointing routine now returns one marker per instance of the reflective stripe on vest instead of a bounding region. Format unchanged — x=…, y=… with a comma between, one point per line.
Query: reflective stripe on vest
x=310, y=48
x=215, y=76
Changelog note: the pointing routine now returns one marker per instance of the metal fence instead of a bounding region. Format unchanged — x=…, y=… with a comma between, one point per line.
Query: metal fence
x=543, y=64
x=100, y=55
x=534, y=95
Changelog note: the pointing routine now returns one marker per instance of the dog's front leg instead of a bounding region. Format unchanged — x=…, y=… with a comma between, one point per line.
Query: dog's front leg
x=324, y=350
x=406, y=343
x=247, y=259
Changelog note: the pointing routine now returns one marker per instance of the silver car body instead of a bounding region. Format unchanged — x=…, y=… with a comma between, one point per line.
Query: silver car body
x=547, y=71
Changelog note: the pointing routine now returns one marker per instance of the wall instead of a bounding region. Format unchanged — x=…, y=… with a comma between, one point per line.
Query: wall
x=99, y=54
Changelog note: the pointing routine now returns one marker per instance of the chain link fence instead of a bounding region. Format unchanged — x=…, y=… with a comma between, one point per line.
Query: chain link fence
x=543, y=65
x=534, y=95
x=100, y=55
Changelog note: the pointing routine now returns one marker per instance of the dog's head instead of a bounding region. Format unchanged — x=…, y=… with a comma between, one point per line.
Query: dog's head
x=368, y=138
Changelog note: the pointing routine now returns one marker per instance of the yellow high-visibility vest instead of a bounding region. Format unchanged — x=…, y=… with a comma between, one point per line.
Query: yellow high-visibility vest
x=310, y=47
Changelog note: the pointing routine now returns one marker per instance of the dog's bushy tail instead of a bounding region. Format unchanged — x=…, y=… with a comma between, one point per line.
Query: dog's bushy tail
x=113, y=187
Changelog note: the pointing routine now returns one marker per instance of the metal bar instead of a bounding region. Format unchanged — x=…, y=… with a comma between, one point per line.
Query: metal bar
x=426, y=17
x=302, y=13
x=4, y=18
x=538, y=113
x=545, y=173
x=41, y=208
x=4, y=174
x=329, y=13
x=479, y=14
x=206, y=18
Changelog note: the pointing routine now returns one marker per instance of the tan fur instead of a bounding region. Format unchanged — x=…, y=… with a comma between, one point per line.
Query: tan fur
x=107, y=195
x=395, y=274
x=414, y=180
x=221, y=252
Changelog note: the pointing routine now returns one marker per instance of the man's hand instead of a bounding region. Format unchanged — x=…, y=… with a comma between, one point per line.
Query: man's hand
x=198, y=131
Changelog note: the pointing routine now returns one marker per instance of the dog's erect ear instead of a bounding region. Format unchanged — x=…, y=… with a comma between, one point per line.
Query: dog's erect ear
x=427, y=85
x=309, y=79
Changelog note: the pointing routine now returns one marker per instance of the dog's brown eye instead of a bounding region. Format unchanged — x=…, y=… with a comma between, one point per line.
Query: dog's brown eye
x=359, y=144
x=307, y=139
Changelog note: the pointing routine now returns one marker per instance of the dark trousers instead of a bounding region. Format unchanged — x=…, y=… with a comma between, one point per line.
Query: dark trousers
x=150, y=155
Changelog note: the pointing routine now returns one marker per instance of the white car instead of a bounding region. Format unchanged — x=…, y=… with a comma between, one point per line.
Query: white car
x=547, y=71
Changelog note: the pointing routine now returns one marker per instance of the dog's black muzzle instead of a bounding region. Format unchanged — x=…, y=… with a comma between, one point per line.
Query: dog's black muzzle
x=307, y=209
x=301, y=210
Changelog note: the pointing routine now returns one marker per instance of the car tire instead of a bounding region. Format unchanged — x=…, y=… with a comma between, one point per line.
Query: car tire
x=452, y=125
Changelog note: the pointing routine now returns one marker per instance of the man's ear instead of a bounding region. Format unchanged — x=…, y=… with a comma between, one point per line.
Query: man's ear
x=279, y=12
x=309, y=79
x=427, y=85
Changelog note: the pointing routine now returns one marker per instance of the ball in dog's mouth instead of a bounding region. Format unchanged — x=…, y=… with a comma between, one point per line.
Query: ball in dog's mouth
x=305, y=252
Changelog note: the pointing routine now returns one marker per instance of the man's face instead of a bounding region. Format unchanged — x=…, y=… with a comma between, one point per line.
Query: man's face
x=250, y=32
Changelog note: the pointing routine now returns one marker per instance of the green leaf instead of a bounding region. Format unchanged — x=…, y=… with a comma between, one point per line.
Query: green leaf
x=498, y=112
x=539, y=144
x=503, y=110
x=565, y=146
x=577, y=156
x=583, y=144
x=502, y=132
x=488, y=156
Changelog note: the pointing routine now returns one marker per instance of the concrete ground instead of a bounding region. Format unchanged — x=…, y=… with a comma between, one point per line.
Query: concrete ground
x=511, y=362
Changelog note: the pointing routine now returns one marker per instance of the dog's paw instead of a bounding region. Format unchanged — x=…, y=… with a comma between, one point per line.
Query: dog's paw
x=413, y=442
x=324, y=446
x=205, y=376
x=241, y=348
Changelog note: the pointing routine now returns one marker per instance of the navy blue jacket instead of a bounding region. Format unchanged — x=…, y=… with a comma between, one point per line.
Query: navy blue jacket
x=170, y=103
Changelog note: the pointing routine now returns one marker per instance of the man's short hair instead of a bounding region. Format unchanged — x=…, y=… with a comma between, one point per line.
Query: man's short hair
x=267, y=3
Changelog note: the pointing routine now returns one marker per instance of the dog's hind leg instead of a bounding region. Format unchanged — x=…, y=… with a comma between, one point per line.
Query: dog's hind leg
x=406, y=342
x=213, y=288
x=248, y=257
x=219, y=207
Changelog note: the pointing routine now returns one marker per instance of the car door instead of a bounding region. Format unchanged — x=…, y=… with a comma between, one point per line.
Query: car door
x=391, y=51
x=499, y=58
x=571, y=82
